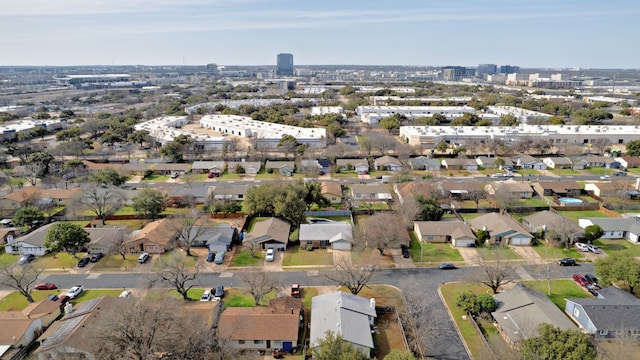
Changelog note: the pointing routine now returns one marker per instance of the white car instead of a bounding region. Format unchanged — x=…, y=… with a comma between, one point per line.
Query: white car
x=582, y=246
x=206, y=296
x=604, y=177
x=270, y=255
x=594, y=249
x=75, y=291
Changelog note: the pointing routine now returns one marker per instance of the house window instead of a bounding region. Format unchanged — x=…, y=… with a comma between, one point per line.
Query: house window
x=576, y=312
x=258, y=342
x=430, y=237
x=603, y=332
x=241, y=342
x=240, y=196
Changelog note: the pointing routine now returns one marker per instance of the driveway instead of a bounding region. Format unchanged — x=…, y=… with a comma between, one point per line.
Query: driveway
x=341, y=257
x=469, y=255
x=276, y=264
x=529, y=255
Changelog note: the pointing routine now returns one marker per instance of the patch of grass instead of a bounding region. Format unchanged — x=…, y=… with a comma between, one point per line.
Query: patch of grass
x=370, y=256
x=81, y=223
x=126, y=210
x=58, y=260
x=243, y=257
x=565, y=172
x=551, y=252
x=575, y=215
x=531, y=202
x=157, y=178
x=134, y=224
x=6, y=259
x=95, y=293
x=295, y=235
x=238, y=298
x=600, y=171
x=621, y=245
x=53, y=211
x=14, y=301
x=189, y=261
x=560, y=290
x=192, y=294
x=115, y=263
x=385, y=295
x=470, y=336
x=471, y=216
x=433, y=252
x=501, y=252
x=295, y=256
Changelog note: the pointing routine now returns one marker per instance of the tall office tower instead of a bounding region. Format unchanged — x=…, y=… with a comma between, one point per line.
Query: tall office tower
x=453, y=73
x=509, y=69
x=285, y=65
x=487, y=69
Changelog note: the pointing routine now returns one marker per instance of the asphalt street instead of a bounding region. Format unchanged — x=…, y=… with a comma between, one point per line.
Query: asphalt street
x=443, y=344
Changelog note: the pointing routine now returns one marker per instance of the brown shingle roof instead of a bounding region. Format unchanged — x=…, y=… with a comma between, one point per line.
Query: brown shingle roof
x=331, y=188
x=258, y=323
x=93, y=166
x=274, y=228
x=160, y=232
x=36, y=192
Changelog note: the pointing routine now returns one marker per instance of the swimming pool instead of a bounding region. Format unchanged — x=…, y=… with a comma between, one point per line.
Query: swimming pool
x=569, y=200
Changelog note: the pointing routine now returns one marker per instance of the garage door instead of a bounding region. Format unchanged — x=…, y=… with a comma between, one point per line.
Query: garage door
x=341, y=245
x=519, y=241
x=463, y=243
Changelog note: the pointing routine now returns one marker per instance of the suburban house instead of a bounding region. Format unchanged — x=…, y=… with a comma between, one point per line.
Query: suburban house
x=424, y=163
x=235, y=192
x=629, y=162
x=154, y=238
x=331, y=191
x=615, y=228
x=208, y=167
x=503, y=229
x=93, y=167
x=284, y=167
x=547, y=220
x=459, y=189
x=454, y=232
x=387, y=163
x=492, y=162
x=169, y=168
x=614, y=313
x=563, y=163
x=31, y=243
x=263, y=328
x=525, y=161
x=68, y=335
x=370, y=192
x=617, y=189
x=135, y=169
x=33, y=195
x=460, y=164
x=215, y=238
x=272, y=233
x=347, y=315
x=323, y=166
x=179, y=196
x=360, y=166
x=601, y=161
x=560, y=188
x=338, y=235
x=522, y=310
x=20, y=328
x=408, y=190
x=106, y=240
x=516, y=189
x=250, y=167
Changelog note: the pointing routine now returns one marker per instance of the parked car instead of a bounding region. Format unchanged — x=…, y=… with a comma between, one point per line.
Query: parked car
x=63, y=299
x=270, y=255
x=219, y=259
x=125, y=294
x=52, y=297
x=219, y=291
x=580, y=280
x=447, y=266
x=95, y=257
x=26, y=258
x=567, y=262
x=604, y=177
x=582, y=246
x=594, y=249
x=175, y=175
x=75, y=291
x=210, y=257
x=46, y=286
x=143, y=258
x=84, y=261
x=592, y=279
x=206, y=296
x=405, y=251
x=471, y=245
x=619, y=173
x=295, y=290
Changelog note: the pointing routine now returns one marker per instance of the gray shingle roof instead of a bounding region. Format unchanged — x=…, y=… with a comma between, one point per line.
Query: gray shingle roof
x=615, y=309
x=344, y=314
x=311, y=232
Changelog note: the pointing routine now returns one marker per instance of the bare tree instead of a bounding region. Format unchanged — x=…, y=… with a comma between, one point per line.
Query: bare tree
x=353, y=278
x=366, y=144
x=175, y=272
x=336, y=151
x=382, y=230
x=21, y=278
x=622, y=188
x=600, y=144
x=408, y=210
x=100, y=200
x=565, y=233
x=574, y=154
x=189, y=227
x=259, y=285
x=384, y=143
x=494, y=270
x=476, y=191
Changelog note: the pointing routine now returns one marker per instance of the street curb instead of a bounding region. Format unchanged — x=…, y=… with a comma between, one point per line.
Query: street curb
x=453, y=320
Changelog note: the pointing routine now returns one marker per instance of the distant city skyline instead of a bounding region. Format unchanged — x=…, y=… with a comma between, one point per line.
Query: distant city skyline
x=526, y=33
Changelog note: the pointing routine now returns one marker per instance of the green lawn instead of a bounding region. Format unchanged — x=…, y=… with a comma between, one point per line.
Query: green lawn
x=192, y=294
x=575, y=215
x=134, y=224
x=560, y=290
x=243, y=257
x=189, y=261
x=53, y=211
x=432, y=252
x=6, y=259
x=238, y=298
x=551, y=252
x=158, y=178
x=565, y=172
x=622, y=245
x=497, y=252
x=600, y=171
x=531, y=202
x=129, y=210
x=16, y=302
x=59, y=260
x=471, y=216
x=294, y=256
x=115, y=263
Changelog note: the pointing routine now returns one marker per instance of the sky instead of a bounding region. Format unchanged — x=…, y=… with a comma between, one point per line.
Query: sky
x=528, y=33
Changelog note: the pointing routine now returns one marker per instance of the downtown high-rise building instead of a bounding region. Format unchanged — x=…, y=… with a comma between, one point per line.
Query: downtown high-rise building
x=487, y=69
x=285, y=65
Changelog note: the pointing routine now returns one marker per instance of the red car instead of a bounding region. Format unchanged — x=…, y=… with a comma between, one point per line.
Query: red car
x=580, y=279
x=46, y=286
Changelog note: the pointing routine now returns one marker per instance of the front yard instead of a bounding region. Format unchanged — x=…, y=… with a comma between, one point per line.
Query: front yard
x=552, y=252
x=115, y=262
x=16, y=302
x=295, y=256
x=432, y=252
x=497, y=252
x=621, y=245
x=242, y=257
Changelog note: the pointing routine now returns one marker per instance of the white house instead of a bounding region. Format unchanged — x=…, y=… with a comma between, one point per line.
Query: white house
x=32, y=243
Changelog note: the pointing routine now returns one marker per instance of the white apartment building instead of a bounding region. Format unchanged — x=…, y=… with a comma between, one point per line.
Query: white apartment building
x=268, y=133
x=323, y=110
x=11, y=130
x=456, y=100
x=373, y=114
x=523, y=115
x=165, y=128
x=557, y=135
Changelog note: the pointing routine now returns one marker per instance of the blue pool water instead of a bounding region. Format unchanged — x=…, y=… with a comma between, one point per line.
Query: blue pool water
x=569, y=200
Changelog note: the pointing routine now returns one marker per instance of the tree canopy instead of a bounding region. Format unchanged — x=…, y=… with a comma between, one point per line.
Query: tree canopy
x=107, y=176
x=334, y=347
x=556, y=344
x=593, y=232
x=66, y=236
x=284, y=200
x=149, y=202
x=430, y=210
x=633, y=148
x=28, y=216
x=619, y=268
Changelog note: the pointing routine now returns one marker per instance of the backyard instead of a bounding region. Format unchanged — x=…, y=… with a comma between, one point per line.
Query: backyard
x=576, y=215
x=614, y=245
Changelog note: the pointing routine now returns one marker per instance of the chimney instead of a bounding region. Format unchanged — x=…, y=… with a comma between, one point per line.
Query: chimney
x=372, y=303
x=291, y=311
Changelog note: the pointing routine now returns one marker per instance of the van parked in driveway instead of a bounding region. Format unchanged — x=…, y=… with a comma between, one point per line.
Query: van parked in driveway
x=143, y=258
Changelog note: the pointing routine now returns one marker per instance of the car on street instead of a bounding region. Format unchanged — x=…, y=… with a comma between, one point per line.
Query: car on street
x=582, y=246
x=143, y=258
x=75, y=291
x=95, y=257
x=84, y=261
x=580, y=280
x=594, y=249
x=206, y=296
x=619, y=173
x=46, y=286
x=211, y=256
x=567, y=262
x=295, y=290
x=26, y=258
x=447, y=266
x=604, y=177
x=270, y=255
x=218, y=291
